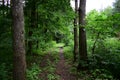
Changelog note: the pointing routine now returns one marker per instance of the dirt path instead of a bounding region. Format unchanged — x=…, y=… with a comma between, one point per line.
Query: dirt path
x=63, y=68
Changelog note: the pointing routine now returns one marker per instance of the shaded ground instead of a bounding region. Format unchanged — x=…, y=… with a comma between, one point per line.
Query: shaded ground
x=62, y=69
x=45, y=65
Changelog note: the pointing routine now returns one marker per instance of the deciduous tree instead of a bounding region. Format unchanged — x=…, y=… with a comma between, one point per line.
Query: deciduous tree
x=82, y=34
x=76, y=31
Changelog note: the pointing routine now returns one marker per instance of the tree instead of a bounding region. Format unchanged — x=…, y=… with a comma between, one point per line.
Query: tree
x=47, y=15
x=99, y=25
x=82, y=34
x=3, y=3
x=116, y=6
x=33, y=24
x=116, y=11
x=76, y=31
x=19, y=64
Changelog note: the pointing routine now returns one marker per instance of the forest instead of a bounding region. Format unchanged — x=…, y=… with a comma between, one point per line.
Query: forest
x=49, y=40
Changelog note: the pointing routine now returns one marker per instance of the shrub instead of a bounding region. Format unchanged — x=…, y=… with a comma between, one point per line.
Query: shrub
x=33, y=72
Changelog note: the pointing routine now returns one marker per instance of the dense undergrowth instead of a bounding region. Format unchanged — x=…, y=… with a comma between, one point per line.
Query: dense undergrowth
x=43, y=65
x=49, y=28
x=104, y=64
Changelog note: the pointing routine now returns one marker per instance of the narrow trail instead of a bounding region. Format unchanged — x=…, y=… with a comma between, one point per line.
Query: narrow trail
x=63, y=68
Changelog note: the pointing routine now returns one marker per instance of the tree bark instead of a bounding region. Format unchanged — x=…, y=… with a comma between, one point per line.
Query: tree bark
x=76, y=32
x=19, y=63
x=32, y=25
x=82, y=34
x=3, y=4
x=8, y=6
x=36, y=23
x=94, y=44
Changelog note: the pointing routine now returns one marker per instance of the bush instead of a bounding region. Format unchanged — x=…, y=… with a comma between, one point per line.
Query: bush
x=107, y=56
x=33, y=72
x=5, y=72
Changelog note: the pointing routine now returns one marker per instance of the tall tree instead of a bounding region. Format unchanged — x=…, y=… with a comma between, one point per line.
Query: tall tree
x=82, y=33
x=46, y=10
x=19, y=66
x=76, y=31
x=31, y=11
x=33, y=24
x=116, y=6
x=3, y=4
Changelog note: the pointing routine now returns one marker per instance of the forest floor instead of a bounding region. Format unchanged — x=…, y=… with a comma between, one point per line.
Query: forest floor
x=62, y=67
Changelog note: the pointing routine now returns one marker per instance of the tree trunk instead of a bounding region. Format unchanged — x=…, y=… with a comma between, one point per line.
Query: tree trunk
x=82, y=35
x=94, y=44
x=19, y=64
x=32, y=25
x=7, y=6
x=3, y=4
x=37, y=42
x=76, y=32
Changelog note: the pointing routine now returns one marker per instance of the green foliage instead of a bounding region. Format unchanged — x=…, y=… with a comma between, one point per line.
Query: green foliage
x=97, y=22
x=50, y=67
x=111, y=45
x=5, y=71
x=33, y=72
x=103, y=28
x=52, y=23
x=53, y=77
x=42, y=66
x=97, y=74
x=107, y=56
x=68, y=52
x=104, y=22
x=116, y=6
x=5, y=43
x=101, y=74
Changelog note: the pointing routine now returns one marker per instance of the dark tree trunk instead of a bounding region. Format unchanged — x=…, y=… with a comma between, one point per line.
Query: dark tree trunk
x=37, y=42
x=32, y=25
x=3, y=4
x=30, y=42
x=7, y=6
x=94, y=45
x=82, y=34
x=76, y=32
x=19, y=65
